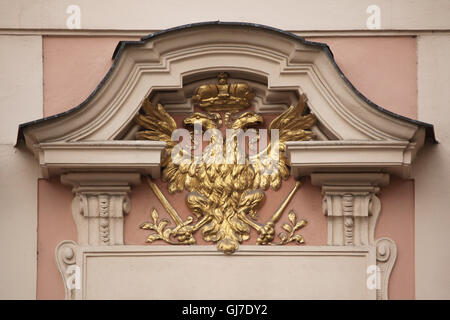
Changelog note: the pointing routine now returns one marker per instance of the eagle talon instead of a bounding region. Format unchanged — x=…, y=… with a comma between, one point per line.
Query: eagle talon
x=184, y=235
x=266, y=234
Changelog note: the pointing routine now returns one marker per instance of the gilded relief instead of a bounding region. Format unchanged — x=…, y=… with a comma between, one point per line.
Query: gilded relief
x=225, y=179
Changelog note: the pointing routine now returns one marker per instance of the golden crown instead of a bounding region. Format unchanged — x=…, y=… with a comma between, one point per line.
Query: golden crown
x=223, y=96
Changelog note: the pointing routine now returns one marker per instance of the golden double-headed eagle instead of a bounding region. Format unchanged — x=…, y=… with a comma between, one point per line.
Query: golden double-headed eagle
x=224, y=197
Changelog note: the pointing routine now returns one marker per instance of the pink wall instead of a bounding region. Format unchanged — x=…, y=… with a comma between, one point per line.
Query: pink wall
x=384, y=69
x=55, y=224
x=74, y=66
x=396, y=221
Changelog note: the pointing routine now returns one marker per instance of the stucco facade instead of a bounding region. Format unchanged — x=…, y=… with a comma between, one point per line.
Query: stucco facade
x=49, y=68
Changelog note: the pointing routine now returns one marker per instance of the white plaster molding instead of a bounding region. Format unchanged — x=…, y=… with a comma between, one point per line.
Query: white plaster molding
x=65, y=254
x=100, y=202
x=350, y=156
x=386, y=257
x=133, y=156
x=168, y=272
x=265, y=100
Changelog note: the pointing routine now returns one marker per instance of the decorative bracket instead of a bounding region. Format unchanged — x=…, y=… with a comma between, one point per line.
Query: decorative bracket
x=65, y=254
x=101, y=200
x=351, y=204
x=386, y=257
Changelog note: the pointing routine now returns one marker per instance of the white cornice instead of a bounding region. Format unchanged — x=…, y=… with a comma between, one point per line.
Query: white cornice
x=106, y=156
x=309, y=157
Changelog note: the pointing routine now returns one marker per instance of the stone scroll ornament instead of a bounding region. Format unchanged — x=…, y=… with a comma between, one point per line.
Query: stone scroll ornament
x=224, y=197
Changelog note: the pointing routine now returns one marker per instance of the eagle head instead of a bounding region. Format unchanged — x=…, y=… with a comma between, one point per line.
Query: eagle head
x=208, y=121
x=247, y=120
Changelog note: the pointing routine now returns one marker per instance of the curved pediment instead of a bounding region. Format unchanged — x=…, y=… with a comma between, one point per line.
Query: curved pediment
x=105, y=147
x=279, y=65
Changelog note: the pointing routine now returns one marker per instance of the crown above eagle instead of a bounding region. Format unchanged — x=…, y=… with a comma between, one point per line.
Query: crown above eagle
x=223, y=96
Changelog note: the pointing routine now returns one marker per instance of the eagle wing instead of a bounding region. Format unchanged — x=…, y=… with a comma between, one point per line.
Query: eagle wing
x=158, y=125
x=270, y=168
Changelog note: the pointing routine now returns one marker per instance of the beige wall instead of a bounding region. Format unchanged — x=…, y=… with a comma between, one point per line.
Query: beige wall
x=284, y=14
x=20, y=101
x=22, y=94
x=432, y=171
